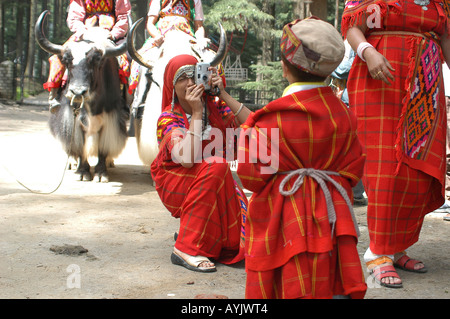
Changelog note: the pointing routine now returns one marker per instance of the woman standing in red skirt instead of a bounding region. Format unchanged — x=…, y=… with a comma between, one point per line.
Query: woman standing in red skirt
x=396, y=90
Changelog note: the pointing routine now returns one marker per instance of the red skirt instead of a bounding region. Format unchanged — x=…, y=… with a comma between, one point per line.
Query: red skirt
x=312, y=275
x=404, y=175
x=210, y=206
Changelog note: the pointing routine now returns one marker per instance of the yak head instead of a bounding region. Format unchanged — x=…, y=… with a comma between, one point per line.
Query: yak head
x=82, y=59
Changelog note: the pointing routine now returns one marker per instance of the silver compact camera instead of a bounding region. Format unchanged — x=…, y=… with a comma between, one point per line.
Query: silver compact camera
x=202, y=75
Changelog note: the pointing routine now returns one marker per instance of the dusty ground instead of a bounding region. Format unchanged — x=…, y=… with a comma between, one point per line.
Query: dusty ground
x=127, y=232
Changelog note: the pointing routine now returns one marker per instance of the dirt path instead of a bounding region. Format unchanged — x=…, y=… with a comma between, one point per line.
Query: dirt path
x=127, y=232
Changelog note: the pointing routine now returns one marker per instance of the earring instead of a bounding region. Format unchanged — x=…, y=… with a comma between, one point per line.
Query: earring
x=173, y=99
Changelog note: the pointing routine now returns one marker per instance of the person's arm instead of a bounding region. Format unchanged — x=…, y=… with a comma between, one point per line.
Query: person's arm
x=153, y=30
x=192, y=140
x=75, y=18
x=378, y=66
x=240, y=111
x=120, y=29
x=152, y=18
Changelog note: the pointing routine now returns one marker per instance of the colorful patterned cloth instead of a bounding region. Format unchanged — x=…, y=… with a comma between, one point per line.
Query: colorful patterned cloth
x=423, y=102
x=56, y=73
x=183, y=8
x=209, y=203
x=99, y=6
x=291, y=251
x=101, y=13
x=402, y=126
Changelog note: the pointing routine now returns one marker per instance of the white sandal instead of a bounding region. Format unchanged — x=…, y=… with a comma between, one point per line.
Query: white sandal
x=192, y=263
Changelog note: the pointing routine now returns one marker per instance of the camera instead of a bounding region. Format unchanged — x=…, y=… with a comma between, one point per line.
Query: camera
x=202, y=75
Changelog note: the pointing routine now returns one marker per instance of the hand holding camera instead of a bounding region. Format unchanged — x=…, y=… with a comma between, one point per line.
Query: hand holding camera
x=216, y=81
x=207, y=75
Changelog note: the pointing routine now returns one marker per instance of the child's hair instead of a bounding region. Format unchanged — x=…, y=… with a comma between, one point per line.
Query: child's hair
x=300, y=75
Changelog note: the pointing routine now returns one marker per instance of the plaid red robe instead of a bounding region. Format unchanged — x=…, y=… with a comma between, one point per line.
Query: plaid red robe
x=402, y=125
x=290, y=250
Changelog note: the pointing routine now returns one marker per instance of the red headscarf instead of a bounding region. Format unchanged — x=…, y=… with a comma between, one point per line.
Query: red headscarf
x=171, y=69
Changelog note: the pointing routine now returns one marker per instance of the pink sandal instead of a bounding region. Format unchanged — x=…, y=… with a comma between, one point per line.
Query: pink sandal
x=408, y=264
x=384, y=271
x=381, y=268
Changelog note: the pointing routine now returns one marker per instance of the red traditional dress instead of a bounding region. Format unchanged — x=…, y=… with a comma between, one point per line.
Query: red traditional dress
x=292, y=250
x=207, y=200
x=403, y=125
x=108, y=14
x=173, y=15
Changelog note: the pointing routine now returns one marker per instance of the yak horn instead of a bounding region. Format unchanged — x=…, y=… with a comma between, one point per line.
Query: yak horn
x=132, y=49
x=43, y=42
x=116, y=50
x=222, y=50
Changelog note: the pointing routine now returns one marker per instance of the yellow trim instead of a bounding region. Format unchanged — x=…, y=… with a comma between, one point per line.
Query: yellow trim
x=261, y=285
x=300, y=84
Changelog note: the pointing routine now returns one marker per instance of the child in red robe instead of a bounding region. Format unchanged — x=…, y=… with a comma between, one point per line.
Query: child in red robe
x=301, y=233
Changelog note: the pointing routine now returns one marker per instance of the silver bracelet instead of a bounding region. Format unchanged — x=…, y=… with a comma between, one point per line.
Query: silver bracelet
x=240, y=109
x=361, y=48
x=195, y=134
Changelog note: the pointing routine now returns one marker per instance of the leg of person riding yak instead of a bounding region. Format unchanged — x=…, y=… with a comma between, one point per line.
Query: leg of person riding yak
x=82, y=15
x=54, y=82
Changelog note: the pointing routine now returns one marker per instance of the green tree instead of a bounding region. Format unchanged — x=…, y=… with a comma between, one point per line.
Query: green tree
x=263, y=20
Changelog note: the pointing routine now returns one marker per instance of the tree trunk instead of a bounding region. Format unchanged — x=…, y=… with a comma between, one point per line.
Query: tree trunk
x=268, y=45
x=2, y=32
x=59, y=21
x=31, y=41
x=139, y=10
x=319, y=9
x=299, y=9
x=19, y=31
x=336, y=14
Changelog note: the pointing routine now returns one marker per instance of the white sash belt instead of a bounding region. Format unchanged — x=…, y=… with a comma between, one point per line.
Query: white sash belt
x=320, y=177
